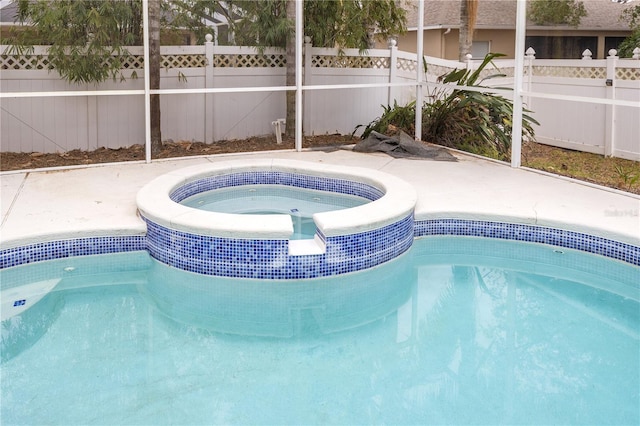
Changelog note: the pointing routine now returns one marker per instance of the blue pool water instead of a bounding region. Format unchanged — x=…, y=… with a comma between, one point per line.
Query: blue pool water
x=299, y=203
x=455, y=331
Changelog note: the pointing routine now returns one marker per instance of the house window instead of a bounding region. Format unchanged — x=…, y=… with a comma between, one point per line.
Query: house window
x=480, y=49
x=556, y=47
x=612, y=43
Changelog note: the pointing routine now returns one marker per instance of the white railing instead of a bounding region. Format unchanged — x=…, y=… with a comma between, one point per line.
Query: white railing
x=336, y=97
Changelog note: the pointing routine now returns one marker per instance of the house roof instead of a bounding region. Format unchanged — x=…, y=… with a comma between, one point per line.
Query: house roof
x=8, y=11
x=500, y=14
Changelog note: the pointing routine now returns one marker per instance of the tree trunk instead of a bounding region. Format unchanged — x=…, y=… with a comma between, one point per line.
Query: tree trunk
x=154, y=74
x=290, y=129
x=468, y=15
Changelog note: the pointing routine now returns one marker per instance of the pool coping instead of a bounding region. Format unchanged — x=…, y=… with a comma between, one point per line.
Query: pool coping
x=155, y=202
x=536, y=198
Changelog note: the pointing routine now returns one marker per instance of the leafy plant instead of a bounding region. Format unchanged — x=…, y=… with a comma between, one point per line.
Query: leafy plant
x=402, y=117
x=625, y=50
x=556, y=12
x=469, y=120
x=87, y=39
x=628, y=177
x=632, y=16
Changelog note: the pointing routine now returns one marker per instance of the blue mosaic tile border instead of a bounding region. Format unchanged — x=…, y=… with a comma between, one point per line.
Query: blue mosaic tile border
x=339, y=247
x=270, y=259
x=530, y=233
x=319, y=183
x=68, y=248
x=363, y=254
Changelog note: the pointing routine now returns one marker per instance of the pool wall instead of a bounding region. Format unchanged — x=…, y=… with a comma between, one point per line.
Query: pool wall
x=50, y=250
x=270, y=258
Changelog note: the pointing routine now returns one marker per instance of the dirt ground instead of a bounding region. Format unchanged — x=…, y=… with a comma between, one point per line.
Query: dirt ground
x=612, y=172
x=170, y=149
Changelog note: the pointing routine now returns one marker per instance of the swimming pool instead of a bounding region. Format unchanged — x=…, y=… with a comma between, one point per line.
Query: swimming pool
x=456, y=330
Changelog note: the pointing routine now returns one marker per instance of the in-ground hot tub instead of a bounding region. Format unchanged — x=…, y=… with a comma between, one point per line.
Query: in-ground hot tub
x=261, y=245
x=299, y=203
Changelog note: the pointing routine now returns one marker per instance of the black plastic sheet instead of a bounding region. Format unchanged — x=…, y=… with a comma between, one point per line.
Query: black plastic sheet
x=402, y=145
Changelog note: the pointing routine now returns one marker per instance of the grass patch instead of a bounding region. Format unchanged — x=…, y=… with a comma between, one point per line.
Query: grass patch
x=612, y=172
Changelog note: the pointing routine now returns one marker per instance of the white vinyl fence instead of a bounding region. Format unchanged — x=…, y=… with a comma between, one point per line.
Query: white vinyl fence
x=58, y=124
x=612, y=130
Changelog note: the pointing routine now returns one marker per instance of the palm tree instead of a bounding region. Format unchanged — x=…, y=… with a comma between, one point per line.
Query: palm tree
x=154, y=74
x=468, y=17
x=290, y=50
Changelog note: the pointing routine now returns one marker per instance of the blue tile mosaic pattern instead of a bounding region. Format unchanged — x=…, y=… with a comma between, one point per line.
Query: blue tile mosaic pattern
x=530, y=233
x=269, y=259
x=319, y=183
x=511, y=231
x=69, y=248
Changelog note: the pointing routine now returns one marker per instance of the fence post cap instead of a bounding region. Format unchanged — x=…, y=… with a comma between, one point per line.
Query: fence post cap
x=530, y=52
x=612, y=53
x=208, y=38
x=586, y=54
x=636, y=53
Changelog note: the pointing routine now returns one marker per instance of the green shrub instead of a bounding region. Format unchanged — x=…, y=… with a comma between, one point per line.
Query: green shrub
x=468, y=120
x=402, y=117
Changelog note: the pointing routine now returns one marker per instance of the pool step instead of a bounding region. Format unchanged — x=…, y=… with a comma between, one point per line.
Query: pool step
x=307, y=247
x=18, y=299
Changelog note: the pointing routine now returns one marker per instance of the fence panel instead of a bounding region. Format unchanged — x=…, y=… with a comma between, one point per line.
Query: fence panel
x=242, y=115
x=59, y=124
x=627, y=119
x=42, y=125
x=590, y=127
x=567, y=124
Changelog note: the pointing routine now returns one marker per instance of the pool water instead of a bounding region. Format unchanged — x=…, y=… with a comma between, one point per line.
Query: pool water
x=456, y=331
x=299, y=203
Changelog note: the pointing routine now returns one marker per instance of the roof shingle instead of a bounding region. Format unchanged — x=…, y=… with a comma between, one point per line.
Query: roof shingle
x=601, y=14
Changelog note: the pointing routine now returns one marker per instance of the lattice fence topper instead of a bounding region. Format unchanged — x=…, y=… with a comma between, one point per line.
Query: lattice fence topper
x=249, y=61
x=406, y=64
x=438, y=70
x=508, y=72
x=326, y=61
x=628, y=73
x=570, y=72
x=184, y=61
x=24, y=62
x=129, y=62
x=132, y=62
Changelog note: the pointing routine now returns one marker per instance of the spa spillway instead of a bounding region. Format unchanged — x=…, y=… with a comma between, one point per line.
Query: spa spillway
x=261, y=245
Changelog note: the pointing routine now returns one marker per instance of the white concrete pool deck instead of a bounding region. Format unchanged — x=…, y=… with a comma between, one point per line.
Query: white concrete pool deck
x=101, y=200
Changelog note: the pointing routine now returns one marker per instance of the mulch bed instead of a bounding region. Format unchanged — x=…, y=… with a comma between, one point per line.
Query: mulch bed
x=170, y=149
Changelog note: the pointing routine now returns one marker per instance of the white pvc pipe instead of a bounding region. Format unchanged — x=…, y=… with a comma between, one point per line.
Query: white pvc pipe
x=419, y=69
x=299, y=39
x=358, y=86
x=587, y=99
x=69, y=93
x=147, y=83
x=505, y=92
x=518, y=75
